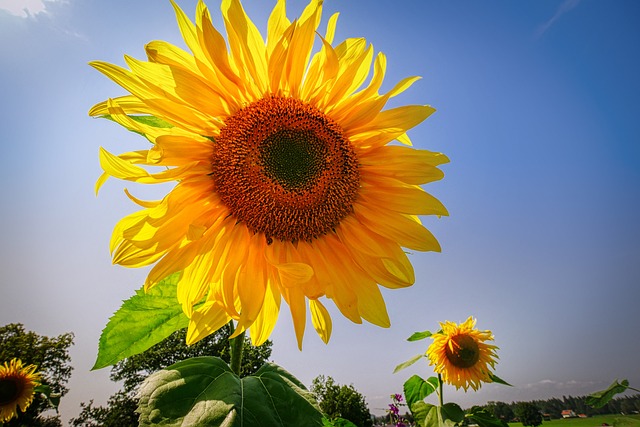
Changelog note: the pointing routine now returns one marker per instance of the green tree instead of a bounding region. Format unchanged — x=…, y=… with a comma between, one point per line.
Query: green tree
x=50, y=355
x=341, y=401
x=500, y=410
x=529, y=414
x=132, y=371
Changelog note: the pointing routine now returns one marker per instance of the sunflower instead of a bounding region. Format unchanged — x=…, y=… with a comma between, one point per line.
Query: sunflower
x=460, y=354
x=17, y=388
x=286, y=185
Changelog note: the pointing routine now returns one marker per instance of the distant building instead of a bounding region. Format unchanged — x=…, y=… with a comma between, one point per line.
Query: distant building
x=568, y=413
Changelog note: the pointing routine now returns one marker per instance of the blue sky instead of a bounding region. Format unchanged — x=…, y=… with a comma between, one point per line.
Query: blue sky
x=537, y=109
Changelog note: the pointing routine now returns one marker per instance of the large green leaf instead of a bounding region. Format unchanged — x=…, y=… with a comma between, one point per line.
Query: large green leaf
x=425, y=414
x=143, y=320
x=416, y=388
x=602, y=397
x=452, y=412
x=484, y=418
x=203, y=391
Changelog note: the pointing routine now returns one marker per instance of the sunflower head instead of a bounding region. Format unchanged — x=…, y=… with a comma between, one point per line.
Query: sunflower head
x=17, y=388
x=291, y=181
x=461, y=355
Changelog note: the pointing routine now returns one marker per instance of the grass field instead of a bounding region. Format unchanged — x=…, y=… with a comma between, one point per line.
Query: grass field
x=586, y=422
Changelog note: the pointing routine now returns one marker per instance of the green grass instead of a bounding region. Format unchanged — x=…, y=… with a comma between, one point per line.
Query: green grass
x=596, y=421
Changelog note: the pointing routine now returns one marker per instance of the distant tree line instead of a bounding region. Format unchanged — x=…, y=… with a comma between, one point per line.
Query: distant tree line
x=554, y=406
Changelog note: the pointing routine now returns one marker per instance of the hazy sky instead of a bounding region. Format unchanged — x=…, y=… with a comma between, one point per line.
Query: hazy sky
x=537, y=108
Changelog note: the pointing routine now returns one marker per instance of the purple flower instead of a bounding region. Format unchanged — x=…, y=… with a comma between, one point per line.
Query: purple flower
x=393, y=409
x=397, y=397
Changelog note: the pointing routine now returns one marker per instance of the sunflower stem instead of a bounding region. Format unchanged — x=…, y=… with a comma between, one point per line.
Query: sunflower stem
x=237, y=345
x=440, y=388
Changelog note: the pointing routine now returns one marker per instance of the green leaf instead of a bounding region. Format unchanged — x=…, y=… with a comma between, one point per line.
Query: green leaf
x=602, y=397
x=337, y=422
x=417, y=336
x=53, y=399
x=204, y=391
x=498, y=380
x=408, y=363
x=143, y=320
x=425, y=414
x=484, y=418
x=451, y=411
x=417, y=389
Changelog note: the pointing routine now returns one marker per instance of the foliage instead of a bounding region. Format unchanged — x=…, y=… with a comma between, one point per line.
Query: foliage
x=50, y=355
x=528, y=414
x=341, y=401
x=119, y=412
x=500, y=410
x=132, y=371
x=205, y=391
x=600, y=398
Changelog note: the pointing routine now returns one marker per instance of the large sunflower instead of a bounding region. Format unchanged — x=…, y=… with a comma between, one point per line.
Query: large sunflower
x=286, y=185
x=461, y=355
x=17, y=388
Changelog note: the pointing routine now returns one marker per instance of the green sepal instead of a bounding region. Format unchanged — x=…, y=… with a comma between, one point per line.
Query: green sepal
x=53, y=399
x=408, y=363
x=417, y=389
x=600, y=398
x=151, y=121
x=142, y=321
x=498, y=380
x=484, y=418
x=204, y=391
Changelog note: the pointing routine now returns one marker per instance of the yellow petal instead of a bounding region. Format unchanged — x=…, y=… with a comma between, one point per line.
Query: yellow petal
x=393, y=195
x=206, y=320
x=397, y=227
x=321, y=319
x=248, y=49
x=266, y=320
x=277, y=23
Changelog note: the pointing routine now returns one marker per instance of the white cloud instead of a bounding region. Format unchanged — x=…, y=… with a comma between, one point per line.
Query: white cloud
x=565, y=7
x=26, y=8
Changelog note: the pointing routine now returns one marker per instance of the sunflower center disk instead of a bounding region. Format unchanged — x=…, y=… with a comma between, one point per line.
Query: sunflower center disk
x=465, y=352
x=8, y=391
x=285, y=169
x=293, y=158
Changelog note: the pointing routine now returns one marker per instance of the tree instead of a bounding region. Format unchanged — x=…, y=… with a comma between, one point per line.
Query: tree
x=529, y=414
x=338, y=401
x=50, y=355
x=500, y=410
x=132, y=371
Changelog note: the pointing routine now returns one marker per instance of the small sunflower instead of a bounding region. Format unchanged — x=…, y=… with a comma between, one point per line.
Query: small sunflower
x=460, y=354
x=17, y=388
x=286, y=185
